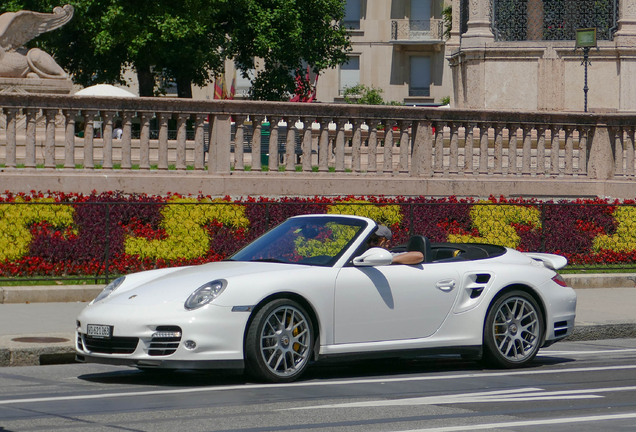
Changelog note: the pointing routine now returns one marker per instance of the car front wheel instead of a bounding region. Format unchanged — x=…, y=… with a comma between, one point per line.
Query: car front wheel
x=279, y=342
x=513, y=331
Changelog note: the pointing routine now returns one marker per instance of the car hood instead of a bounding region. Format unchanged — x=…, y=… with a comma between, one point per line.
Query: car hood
x=168, y=285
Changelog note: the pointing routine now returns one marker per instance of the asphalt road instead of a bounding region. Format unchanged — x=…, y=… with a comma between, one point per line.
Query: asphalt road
x=572, y=386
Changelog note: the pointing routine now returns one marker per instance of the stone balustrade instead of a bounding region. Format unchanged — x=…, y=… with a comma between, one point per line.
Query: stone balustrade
x=351, y=140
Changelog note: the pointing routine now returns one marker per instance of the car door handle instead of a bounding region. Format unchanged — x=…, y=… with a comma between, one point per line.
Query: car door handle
x=446, y=284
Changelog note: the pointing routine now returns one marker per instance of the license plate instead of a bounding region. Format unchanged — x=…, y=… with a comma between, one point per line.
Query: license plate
x=99, y=331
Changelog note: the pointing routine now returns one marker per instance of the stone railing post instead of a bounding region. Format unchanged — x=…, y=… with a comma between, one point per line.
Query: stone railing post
x=182, y=123
x=126, y=140
x=69, y=142
x=453, y=167
x=498, y=169
x=629, y=144
x=421, y=161
x=89, y=138
x=219, y=154
x=31, y=119
x=387, y=166
x=569, y=150
x=11, y=113
x=403, y=166
x=618, y=150
x=323, y=145
x=273, y=142
x=469, y=148
x=439, y=147
x=555, y=149
x=356, y=144
x=540, y=149
x=256, y=142
x=526, y=157
x=144, y=140
x=600, y=165
x=584, y=149
x=107, y=136
x=340, y=144
x=307, y=137
x=239, y=137
x=483, y=148
x=512, y=148
x=372, y=148
x=290, y=144
x=163, y=119
x=49, y=136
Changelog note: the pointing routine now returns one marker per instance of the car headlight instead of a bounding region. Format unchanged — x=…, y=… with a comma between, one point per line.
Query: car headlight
x=205, y=294
x=109, y=289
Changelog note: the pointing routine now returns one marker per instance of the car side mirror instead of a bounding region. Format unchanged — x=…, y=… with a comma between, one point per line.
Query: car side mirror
x=373, y=257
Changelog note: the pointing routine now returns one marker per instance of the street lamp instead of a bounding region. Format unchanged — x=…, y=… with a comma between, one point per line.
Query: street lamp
x=585, y=39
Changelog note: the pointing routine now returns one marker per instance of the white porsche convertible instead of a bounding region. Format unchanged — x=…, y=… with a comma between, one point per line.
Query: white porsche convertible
x=312, y=290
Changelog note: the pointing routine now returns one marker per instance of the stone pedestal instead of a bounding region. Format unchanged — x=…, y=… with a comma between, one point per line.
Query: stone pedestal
x=36, y=85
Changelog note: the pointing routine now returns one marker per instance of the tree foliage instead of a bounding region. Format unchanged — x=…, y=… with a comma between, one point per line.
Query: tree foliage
x=188, y=41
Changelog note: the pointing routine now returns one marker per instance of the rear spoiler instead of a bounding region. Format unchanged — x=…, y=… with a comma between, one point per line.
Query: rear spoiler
x=552, y=261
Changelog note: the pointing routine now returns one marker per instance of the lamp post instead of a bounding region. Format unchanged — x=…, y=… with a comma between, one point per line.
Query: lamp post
x=585, y=39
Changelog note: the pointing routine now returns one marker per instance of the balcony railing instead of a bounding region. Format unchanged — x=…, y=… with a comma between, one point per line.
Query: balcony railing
x=40, y=132
x=417, y=30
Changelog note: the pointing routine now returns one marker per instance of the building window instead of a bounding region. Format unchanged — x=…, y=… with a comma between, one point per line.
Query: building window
x=350, y=73
x=520, y=20
x=420, y=84
x=353, y=13
x=243, y=85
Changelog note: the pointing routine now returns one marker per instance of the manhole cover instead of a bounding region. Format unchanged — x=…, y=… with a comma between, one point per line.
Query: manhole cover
x=39, y=339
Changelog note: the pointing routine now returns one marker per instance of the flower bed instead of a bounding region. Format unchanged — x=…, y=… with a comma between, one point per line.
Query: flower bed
x=55, y=234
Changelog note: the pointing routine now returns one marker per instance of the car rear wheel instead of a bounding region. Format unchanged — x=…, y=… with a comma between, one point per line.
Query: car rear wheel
x=279, y=342
x=513, y=331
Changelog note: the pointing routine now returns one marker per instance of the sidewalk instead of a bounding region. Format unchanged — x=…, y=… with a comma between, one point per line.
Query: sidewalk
x=37, y=324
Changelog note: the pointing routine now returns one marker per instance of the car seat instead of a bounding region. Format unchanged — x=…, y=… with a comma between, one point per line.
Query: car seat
x=421, y=244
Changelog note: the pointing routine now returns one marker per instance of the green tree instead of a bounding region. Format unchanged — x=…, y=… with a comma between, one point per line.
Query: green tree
x=363, y=95
x=189, y=40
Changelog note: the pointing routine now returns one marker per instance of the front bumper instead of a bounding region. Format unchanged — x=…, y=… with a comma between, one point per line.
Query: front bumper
x=216, y=331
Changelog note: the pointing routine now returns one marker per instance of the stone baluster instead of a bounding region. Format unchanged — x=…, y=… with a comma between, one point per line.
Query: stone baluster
x=239, y=142
x=256, y=142
x=307, y=138
x=469, y=148
x=144, y=140
x=498, y=150
x=69, y=141
x=439, y=148
x=89, y=138
x=540, y=149
x=49, y=140
x=372, y=147
x=182, y=124
x=512, y=148
x=340, y=144
x=163, y=119
x=483, y=148
x=629, y=158
x=584, y=133
x=555, y=149
x=31, y=123
x=526, y=158
x=388, y=146
x=618, y=151
x=107, y=136
x=273, y=142
x=569, y=150
x=356, y=144
x=323, y=145
x=453, y=166
x=126, y=140
x=422, y=161
x=290, y=144
x=11, y=133
x=403, y=166
x=219, y=154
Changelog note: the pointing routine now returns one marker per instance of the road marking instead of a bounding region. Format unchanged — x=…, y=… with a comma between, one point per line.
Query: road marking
x=554, y=353
x=527, y=423
x=317, y=384
x=511, y=395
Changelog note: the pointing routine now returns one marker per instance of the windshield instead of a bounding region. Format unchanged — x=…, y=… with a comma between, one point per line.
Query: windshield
x=311, y=240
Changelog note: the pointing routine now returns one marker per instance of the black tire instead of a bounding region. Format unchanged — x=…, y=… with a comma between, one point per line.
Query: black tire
x=513, y=331
x=279, y=342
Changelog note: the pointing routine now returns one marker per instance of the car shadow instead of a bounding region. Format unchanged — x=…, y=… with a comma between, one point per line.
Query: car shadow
x=389, y=367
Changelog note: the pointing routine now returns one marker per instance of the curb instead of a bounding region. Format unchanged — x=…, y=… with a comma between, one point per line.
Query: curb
x=601, y=280
x=49, y=294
